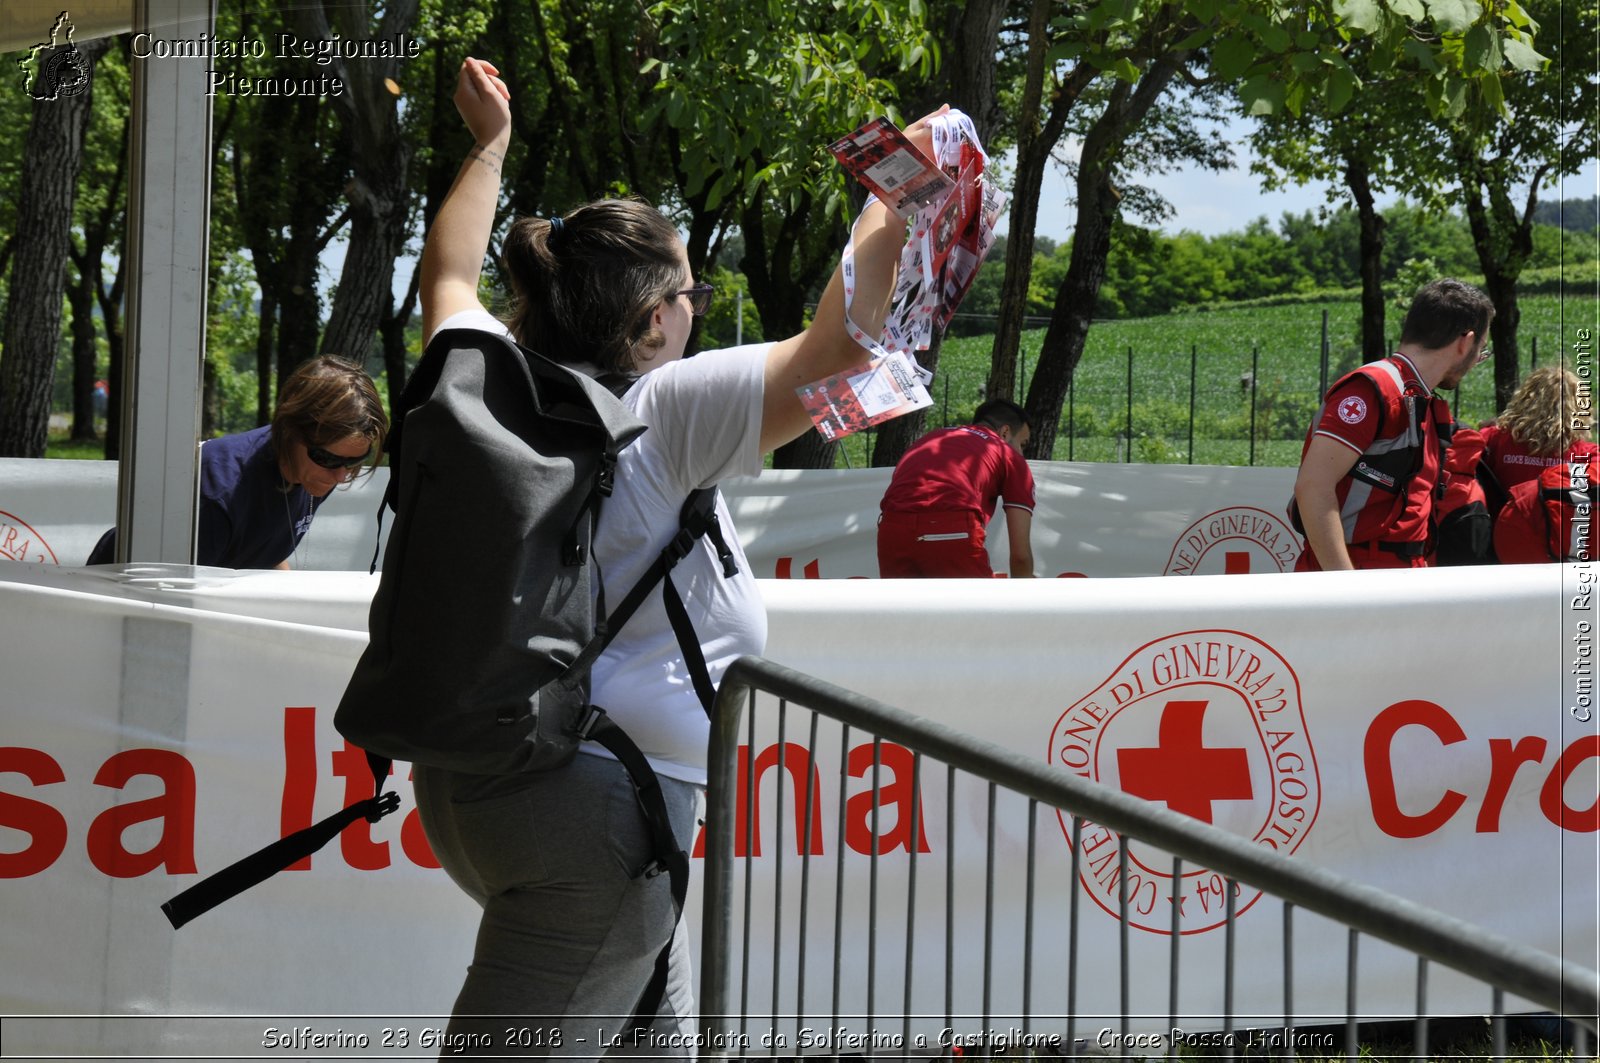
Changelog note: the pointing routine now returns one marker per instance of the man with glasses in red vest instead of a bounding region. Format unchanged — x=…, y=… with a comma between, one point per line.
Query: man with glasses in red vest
x=1369, y=472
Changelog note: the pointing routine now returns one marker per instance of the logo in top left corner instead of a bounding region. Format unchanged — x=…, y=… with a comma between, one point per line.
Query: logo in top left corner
x=54, y=68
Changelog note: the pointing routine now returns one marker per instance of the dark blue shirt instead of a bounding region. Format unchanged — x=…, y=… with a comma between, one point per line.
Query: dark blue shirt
x=247, y=519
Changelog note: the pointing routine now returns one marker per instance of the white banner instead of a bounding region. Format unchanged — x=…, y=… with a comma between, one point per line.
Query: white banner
x=1430, y=733
x=1091, y=519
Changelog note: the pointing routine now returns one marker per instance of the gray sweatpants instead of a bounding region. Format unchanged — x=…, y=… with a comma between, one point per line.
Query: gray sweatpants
x=571, y=929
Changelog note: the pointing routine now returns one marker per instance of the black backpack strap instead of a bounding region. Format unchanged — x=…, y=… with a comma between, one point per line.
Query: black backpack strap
x=263, y=864
x=697, y=519
x=670, y=857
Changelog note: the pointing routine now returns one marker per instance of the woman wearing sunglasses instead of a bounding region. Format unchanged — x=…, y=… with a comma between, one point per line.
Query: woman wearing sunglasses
x=260, y=489
x=571, y=929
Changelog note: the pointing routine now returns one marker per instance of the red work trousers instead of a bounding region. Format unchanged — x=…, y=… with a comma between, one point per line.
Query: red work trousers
x=932, y=545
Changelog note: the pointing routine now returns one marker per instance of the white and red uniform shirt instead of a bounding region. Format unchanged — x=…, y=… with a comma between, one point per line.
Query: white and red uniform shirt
x=1389, y=417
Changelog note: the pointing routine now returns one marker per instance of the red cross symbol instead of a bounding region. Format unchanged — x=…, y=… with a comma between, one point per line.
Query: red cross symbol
x=1183, y=772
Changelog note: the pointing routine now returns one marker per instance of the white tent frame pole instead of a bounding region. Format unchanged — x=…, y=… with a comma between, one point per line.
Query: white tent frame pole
x=169, y=198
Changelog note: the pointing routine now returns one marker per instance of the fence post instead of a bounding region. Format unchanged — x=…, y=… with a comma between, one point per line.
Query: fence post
x=738, y=318
x=1072, y=404
x=1255, y=382
x=1194, y=364
x=1535, y=354
x=1326, y=347
x=1130, y=401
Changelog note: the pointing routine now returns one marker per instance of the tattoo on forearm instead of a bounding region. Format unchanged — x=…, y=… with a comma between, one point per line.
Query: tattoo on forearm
x=477, y=155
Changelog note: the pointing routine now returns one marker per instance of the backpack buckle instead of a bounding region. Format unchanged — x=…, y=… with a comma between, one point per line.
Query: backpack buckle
x=652, y=869
x=590, y=720
x=679, y=547
x=606, y=479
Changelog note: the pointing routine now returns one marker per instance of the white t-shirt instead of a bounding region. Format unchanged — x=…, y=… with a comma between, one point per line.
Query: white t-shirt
x=704, y=418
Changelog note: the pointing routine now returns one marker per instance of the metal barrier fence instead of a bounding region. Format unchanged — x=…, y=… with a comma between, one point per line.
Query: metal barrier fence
x=992, y=988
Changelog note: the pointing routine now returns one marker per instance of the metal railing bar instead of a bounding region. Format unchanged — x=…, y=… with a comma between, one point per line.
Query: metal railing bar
x=988, y=922
x=1288, y=980
x=805, y=880
x=778, y=854
x=872, y=883
x=1350, y=1048
x=1027, y=915
x=838, y=880
x=1229, y=924
x=1549, y=981
x=1497, y=1023
x=949, y=897
x=717, y=918
x=1124, y=924
x=1072, y=940
x=749, y=864
x=1172, y=953
x=911, y=894
x=1419, y=1033
x=749, y=867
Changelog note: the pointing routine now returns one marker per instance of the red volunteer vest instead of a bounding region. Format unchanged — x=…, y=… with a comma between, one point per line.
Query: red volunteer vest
x=1388, y=495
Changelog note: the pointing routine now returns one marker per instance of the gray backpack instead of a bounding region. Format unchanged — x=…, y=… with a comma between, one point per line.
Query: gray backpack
x=482, y=629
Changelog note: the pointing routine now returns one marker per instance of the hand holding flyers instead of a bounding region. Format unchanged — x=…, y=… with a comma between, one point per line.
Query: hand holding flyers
x=952, y=212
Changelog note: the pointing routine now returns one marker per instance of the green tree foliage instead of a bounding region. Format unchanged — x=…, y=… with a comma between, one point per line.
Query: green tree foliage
x=1282, y=57
x=749, y=96
x=1502, y=166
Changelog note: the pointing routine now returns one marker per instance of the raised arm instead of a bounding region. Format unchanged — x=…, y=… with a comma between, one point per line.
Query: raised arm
x=452, y=255
x=826, y=346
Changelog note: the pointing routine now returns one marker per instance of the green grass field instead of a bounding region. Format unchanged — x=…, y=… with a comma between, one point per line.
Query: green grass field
x=1282, y=343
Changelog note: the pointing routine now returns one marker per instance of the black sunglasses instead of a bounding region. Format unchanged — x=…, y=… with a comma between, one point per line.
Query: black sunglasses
x=699, y=298
x=329, y=460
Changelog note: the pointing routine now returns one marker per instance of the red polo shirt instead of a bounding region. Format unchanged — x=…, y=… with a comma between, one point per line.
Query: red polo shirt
x=963, y=469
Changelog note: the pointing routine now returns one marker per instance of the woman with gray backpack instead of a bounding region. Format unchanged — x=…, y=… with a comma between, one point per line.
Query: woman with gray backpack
x=576, y=919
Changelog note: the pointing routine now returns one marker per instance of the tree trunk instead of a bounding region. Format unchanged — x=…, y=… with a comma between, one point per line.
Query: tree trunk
x=1503, y=239
x=1091, y=244
x=377, y=236
x=111, y=317
x=1357, y=177
x=268, y=314
x=32, y=330
x=1035, y=141
x=210, y=400
x=80, y=296
x=392, y=329
x=378, y=191
x=1502, y=290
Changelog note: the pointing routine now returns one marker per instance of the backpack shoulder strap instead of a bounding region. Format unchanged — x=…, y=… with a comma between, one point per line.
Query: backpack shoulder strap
x=696, y=520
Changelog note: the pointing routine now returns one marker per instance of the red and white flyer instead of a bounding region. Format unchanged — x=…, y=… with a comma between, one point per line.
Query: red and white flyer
x=891, y=167
x=881, y=390
x=951, y=210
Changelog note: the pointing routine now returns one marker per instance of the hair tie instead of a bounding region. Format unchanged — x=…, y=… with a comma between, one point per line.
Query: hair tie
x=555, y=227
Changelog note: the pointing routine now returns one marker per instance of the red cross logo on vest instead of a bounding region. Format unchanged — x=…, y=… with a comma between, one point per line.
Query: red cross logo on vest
x=1353, y=410
x=1209, y=724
